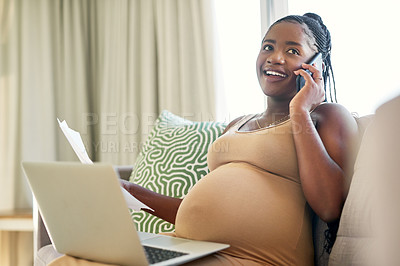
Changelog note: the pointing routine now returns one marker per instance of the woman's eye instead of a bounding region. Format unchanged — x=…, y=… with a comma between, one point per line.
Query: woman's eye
x=268, y=47
x=293, y=51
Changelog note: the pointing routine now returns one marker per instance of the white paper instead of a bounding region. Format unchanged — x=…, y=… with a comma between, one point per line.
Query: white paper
x=74, y=138
x=132, y=202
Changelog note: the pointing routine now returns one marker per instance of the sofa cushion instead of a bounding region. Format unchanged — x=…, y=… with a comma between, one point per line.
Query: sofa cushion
x=172, y=160
x=356, y=238
x=355, y=231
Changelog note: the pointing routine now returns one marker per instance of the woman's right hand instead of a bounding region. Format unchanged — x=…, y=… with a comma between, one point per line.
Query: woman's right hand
x=126, y=185
x=164, y=207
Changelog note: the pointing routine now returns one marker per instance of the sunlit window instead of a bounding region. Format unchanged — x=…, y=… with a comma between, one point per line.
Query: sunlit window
x=239, y=34
x=364, y=49
x=364, y=54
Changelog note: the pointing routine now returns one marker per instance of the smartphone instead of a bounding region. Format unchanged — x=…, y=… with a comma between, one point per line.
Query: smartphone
x=317, y=59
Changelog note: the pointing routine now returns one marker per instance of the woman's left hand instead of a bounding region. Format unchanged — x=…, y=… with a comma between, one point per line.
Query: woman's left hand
x=313, y=93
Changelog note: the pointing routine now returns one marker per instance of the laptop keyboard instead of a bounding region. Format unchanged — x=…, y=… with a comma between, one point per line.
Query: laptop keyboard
x=155, y=255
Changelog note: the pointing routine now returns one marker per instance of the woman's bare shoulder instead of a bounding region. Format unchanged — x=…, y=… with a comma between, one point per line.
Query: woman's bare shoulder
x=334, y=119
x=329, y=112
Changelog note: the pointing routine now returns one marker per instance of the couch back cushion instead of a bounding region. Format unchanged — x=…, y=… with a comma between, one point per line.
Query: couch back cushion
x=369, y=227
x=172, y=160
x=355, y=228
x=320, y=227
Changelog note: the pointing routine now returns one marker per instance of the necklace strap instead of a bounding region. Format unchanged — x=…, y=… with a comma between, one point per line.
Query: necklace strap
x=274, y=123
x=258, y=124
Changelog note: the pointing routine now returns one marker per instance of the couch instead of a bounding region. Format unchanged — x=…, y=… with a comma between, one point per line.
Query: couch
x=369, y=231
x=350, y=240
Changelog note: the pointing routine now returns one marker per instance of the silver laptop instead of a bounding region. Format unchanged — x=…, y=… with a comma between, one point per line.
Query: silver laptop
x=86, y=216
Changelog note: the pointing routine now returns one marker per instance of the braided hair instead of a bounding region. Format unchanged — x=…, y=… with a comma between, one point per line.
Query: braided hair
x=321, y=38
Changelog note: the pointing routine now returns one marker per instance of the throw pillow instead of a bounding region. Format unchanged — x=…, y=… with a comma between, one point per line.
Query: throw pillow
x=172, y=160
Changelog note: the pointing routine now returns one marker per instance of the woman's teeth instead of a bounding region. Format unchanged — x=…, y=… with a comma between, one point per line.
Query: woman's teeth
x=273, y=73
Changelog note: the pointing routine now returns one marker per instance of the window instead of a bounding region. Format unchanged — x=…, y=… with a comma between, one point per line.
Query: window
x=365, y=59
x=239, y=34
x=364, y=52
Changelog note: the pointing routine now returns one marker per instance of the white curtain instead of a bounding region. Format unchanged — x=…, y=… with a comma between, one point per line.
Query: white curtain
x=108, y=67
x=174, y=70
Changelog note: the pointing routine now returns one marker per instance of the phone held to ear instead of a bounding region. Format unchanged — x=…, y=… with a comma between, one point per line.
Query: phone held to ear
x=317, y=59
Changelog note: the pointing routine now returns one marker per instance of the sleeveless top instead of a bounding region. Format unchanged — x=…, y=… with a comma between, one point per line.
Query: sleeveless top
x=252, y=199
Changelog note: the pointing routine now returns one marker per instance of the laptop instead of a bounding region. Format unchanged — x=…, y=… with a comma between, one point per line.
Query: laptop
x=86, y=216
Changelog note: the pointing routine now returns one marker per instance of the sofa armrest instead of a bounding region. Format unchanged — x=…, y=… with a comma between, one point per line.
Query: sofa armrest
x=42, y=237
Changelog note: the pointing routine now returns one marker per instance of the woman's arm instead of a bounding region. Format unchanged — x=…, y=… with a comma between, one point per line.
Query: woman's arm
x=164, y=207
x=325, y=157
x=325, y=151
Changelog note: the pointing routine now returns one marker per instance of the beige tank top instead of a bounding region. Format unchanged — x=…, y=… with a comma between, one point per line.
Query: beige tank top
x=252, y=199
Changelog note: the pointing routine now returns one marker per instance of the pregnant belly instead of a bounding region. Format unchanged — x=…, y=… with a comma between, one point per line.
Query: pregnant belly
x=239, y=204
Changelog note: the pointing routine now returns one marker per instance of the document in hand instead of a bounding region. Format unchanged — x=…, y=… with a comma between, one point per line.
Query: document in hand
x=74, y=138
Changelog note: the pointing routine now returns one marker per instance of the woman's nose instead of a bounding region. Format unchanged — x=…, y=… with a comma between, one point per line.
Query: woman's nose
x=276, y=58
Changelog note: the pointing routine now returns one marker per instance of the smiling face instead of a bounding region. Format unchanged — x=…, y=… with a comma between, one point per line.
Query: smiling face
x=285, y=47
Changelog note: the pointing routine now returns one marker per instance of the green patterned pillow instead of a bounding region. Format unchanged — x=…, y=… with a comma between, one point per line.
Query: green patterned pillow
x=172, y=160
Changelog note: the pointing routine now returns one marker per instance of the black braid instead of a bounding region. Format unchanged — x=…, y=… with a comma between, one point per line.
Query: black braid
x=322, y=37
